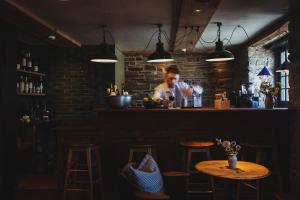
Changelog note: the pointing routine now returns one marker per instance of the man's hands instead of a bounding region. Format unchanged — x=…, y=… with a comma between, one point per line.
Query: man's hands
x=187, y=92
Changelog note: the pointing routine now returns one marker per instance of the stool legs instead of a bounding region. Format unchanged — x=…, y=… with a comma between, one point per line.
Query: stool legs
x=73, y=168
x=190, y=153
x=89, y=164
x=256, y=186
x=69, y=160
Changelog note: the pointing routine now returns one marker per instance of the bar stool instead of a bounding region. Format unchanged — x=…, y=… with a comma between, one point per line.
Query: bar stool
x=140, y=148
x=260, y=151
x=76, y=170
x=192, y=148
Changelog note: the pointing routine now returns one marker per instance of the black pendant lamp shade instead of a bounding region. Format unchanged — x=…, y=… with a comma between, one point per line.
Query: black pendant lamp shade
x=106, y=54
x=220, y=53
x=160, y=55
x=284, y=66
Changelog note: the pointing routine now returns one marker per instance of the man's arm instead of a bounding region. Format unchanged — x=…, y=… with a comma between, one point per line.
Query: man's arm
x=159, y=97
x=186, y=89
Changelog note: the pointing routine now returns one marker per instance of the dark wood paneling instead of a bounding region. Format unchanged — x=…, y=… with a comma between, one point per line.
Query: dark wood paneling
x=8, y=99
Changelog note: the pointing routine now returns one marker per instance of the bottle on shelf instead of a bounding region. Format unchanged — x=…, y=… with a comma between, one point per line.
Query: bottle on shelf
x=36, y=68
x=33, y=87
x=41, y=85
x=26, y=85
x=23, y=62
x=30, y=85
x=18, y=84
x=22, y=85
x=28, y=62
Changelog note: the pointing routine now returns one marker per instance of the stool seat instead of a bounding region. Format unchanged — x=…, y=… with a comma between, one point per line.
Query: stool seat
x=81, y=145
x=197, y=144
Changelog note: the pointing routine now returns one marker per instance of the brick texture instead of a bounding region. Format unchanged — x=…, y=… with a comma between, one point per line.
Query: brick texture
x=74, y=85
x=142, y=77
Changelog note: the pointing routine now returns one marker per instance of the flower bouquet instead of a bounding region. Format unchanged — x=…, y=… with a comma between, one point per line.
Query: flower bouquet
x=270, y=93
x=231, y=149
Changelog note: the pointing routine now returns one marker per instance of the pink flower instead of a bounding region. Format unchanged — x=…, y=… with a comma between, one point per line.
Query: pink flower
x=226, y=144
x=238, y=147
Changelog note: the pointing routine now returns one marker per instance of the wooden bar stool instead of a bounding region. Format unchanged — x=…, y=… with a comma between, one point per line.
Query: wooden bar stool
x=79, y=175
x=260, y=150
x=140, y=148
x=192, y=148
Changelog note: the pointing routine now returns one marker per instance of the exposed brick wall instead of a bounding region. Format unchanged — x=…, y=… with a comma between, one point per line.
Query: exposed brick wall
x=74, y=85
x=142, y=77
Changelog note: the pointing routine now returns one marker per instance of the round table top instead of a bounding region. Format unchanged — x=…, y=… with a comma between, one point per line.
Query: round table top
x=197, y=144
x=244, y=170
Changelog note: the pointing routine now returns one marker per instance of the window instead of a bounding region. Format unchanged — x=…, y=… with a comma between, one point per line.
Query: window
x=284, y=78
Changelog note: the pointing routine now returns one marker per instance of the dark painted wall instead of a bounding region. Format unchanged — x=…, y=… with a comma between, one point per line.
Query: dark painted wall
x=7, y=103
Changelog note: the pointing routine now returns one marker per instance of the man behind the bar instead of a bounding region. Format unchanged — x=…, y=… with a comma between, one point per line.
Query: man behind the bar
x=172, y=93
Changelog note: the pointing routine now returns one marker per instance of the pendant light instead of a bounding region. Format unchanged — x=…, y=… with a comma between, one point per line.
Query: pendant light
x=160, y=55
x=220, y=53
x=264, y=72
x=284, y=66
x=105, y=55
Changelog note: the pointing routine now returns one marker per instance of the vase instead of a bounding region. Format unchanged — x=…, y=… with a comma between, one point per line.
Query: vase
x=232, y=161
x=269, y=102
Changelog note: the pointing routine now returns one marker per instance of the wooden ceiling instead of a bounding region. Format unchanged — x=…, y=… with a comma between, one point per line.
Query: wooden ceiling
x=132, y=22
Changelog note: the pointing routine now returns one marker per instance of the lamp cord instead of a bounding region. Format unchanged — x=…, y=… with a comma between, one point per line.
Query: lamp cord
x=113, y=39
x=147, y=45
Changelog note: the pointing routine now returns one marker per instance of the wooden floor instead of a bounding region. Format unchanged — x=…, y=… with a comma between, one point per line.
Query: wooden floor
x=40, y=187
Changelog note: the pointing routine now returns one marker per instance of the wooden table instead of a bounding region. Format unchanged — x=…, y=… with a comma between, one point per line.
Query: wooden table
x=245, y=171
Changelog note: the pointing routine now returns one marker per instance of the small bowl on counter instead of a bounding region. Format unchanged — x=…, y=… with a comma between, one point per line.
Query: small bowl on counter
x=150, y=103
x=119, y=101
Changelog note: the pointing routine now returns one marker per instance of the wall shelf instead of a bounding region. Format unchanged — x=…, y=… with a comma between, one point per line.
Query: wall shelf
x=31, y=72
x=31, y=94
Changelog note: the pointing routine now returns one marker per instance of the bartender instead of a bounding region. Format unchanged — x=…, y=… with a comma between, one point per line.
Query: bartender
x=172, y=93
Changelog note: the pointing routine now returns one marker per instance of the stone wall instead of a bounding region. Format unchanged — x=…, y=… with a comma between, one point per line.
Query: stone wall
x=142, y=77
x=258, y=58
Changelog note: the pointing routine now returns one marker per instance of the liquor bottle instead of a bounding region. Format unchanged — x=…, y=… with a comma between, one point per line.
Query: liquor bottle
x=33, y=87
x=23, y=62
x=29, y=62
x=116, y=89
x=18, y=84
x=30, y=85
x=122, y=88
x=22, y=85
x=26, y=85
x=41, y=85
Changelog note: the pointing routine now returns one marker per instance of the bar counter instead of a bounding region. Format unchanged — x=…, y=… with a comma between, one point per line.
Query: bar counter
x=165, y=128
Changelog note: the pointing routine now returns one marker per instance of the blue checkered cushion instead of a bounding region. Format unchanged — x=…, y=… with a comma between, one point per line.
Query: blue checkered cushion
x=146, y=177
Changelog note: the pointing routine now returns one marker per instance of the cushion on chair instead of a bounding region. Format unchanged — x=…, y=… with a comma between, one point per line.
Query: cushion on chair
x=146, y=177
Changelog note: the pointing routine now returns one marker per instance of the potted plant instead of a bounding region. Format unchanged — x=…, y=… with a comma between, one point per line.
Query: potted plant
x=231, y=150
x=270, y=93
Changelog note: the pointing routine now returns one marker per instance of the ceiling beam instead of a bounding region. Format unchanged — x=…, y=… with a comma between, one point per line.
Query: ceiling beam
x=176, y=10
x=265, y=32
x=43, y=22
x=199, y=19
